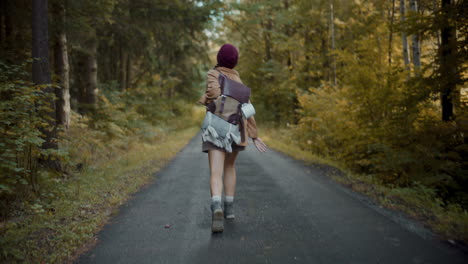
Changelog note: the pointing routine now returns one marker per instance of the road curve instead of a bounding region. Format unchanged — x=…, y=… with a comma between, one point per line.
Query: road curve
x=286, y=212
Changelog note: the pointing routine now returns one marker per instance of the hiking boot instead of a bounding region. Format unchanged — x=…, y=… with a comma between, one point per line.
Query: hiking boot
x=217, y=224
x=229, y=210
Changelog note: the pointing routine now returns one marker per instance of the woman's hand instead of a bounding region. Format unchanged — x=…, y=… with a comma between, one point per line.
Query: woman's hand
x=260, y=145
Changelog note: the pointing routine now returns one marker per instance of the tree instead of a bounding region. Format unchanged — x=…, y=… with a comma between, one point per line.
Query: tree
x=5, y=24
x=87, y=77
x=332, y=33
x=41, y=74
x=404, y=38
x=415, y=47
x=390, y=34
x=61, y=66
x=448, y=60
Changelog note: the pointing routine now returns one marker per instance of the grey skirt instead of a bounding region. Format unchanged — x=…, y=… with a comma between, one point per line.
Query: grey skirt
x=206, y=146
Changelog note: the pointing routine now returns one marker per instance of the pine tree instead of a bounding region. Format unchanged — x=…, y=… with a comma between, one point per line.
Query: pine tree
x=41, y=73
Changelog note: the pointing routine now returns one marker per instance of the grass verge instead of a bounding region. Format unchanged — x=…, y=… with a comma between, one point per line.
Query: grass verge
x=54, y=232
x=449, y=221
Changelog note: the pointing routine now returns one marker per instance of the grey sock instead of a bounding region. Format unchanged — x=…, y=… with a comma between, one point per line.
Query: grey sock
x=215, y=198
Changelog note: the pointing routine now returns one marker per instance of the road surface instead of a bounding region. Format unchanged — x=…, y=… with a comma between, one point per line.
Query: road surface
x=286, y=212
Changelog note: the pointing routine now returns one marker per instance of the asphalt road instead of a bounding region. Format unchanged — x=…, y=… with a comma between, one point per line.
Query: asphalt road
x=286, y=212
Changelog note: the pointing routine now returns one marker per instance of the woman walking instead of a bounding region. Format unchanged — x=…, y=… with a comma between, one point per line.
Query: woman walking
x=222, y=158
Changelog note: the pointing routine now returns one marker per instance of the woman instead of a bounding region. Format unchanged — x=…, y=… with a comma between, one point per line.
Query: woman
x=221, y=161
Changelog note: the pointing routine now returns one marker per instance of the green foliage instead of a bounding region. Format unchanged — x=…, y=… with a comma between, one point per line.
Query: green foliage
x=22, y=115
x=264, y=32
x=114, y=151
x=146, y=106
x=54, y=228
x=146, y=54
x=138, y=39
x=380, y=119
x=149, y=58
x=99, y=152
x=381, y=122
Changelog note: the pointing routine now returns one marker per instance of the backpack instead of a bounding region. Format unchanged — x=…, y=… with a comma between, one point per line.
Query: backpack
x=223, y=120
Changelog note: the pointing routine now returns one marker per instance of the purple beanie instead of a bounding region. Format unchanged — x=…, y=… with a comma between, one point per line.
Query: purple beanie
x=227, y=56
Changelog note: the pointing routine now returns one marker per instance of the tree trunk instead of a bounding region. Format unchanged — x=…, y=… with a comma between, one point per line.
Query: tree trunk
x=3, y=13
x=288, y=34
x=40, y=43
x=267, y=26
x=123, y=69
x=436, y=9
x=332, y=26
x=129, y=71
x=116, y=64
x=91, y=76
x=404, y=38
x=448, y=61
x=75, y=76
x=324, y=48
x=80, y=89
x=41, y=74
x=8, y=24
x=390, y=34
x=62, y=69
x=416, y=50
x=6, y=27
x=307, y=65
x=87, y=78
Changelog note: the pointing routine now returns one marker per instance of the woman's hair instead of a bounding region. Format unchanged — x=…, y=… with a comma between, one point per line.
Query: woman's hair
x=227, y=56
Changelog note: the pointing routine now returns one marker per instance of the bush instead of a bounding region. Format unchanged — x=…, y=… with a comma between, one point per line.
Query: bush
x=120, y=119
x=23, y=113
x=378, y=124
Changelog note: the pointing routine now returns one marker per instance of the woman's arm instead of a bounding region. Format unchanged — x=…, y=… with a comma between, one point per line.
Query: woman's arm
x=252, y=127
x=253, y=133
x=259, y=144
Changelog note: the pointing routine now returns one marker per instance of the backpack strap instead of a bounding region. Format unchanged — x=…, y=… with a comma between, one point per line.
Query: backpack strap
x=223, y=101
x=241, y=122
x=222, y=74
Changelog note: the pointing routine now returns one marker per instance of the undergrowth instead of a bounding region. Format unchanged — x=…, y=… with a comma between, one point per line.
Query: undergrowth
x=105, y=157
x=56, y=225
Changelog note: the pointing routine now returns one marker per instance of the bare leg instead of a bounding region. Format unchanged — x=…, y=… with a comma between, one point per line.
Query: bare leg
x=230, y=173
x=216, y=159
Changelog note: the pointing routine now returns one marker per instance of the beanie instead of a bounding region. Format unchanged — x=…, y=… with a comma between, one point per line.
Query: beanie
x=227, y=56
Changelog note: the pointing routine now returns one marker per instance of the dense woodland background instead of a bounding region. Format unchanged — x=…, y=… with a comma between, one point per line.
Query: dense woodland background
x=376, y=85
x=373, y=84
x=111, y=66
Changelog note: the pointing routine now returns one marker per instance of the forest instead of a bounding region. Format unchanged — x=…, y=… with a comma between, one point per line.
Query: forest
x=375, y=87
